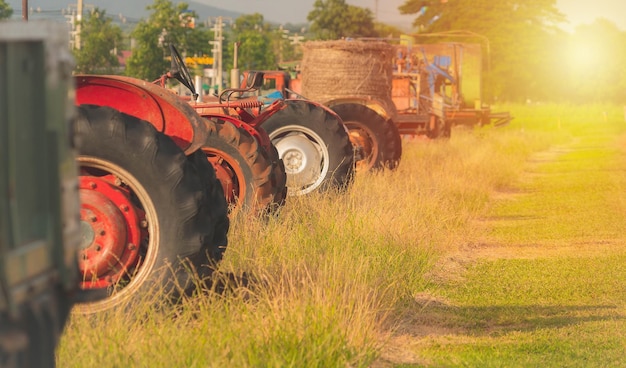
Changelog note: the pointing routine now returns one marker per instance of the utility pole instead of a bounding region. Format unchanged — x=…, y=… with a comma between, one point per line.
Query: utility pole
x=376, y=10
x=295, y=39
x=219, y=26
x=25, y=10
x=79, y=18
x=76, y=20
x=234, y=72
x=217, y=52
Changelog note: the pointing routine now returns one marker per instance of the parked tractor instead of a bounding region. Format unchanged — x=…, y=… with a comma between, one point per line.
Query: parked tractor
x=305, y=139
x=246, y=163
x=152, y=209
x=308, y=140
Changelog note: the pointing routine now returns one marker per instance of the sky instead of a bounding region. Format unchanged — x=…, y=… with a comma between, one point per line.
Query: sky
x=386, y=11
x=586, y=11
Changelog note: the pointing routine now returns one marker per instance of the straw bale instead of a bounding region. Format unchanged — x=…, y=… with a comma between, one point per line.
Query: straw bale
x=332, y=69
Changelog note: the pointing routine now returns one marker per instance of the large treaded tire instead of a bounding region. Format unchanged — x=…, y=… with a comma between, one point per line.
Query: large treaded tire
x=394, y=142
x=185, y=223
x=313, y=145
x=246, y=170
x=280, y=176
x=212, y=251
x=370, y=134
x=442, y=130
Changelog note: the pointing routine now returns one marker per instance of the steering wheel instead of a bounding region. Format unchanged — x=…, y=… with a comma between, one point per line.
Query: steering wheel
x=180, y=71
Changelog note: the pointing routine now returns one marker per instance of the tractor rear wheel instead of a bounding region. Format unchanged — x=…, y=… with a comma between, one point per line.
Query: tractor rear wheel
x=218, y=211
x=394, y=142
x=147, y=212
x=244, y=168
x=314, y=147
x=370, y=135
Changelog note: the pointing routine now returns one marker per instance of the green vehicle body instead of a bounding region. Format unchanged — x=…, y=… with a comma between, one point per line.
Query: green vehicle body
x=39, y=203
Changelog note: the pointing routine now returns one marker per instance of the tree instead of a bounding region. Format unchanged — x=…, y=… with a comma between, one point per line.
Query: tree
x=255, y=43
x=100, y=38
x=287, y=46
x=512, y=32
x=334, y=19
x=5, y=10
x=386, y=31
x=167, y=24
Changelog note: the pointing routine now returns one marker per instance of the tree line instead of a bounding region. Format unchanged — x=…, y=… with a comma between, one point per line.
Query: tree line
x=527, y=56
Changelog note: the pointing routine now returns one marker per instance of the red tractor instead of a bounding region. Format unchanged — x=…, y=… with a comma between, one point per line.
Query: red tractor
x=151, y=206
x=159, y=176
x=307, y=140
x=245, y=161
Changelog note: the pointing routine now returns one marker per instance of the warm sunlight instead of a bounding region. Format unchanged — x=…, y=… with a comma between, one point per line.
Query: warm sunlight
x=584, y=54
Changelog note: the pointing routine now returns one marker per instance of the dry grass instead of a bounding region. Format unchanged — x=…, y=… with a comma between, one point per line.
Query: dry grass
x=337, y=279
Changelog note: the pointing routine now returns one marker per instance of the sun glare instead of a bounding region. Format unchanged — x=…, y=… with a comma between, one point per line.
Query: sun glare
x=584, y=55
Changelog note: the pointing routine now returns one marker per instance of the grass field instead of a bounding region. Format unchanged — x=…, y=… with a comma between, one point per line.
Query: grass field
x=500, y=247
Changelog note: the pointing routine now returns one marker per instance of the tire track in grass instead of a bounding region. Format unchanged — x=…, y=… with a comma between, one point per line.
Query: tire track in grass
x=545, y=285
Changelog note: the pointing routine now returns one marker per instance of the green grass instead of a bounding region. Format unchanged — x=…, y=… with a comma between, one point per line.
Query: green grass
x=547, y=289
x=400, y=270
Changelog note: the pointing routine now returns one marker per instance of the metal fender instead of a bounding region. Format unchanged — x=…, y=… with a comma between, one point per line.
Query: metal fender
x=258, y=133
x=166, y=111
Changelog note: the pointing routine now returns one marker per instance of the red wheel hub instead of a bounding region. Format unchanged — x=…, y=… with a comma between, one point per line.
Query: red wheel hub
x=111, y=232
x=225, y=174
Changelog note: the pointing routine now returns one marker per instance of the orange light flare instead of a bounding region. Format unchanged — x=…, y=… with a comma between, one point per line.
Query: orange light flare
x=592, y=51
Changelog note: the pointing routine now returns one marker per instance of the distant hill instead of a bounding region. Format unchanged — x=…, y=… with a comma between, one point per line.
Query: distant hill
x=129, y=10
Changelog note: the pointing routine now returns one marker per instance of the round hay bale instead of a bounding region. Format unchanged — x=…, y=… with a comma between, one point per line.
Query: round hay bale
x=332, y=69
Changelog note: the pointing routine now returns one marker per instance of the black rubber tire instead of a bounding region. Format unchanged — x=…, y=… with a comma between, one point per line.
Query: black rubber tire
x=394, y=142
x=280, y=177
x=249, y=166
x=441, y=130
x=185, y=233
x=318, y=128
x=212, y=251
x=371, y=127
x=446, y=131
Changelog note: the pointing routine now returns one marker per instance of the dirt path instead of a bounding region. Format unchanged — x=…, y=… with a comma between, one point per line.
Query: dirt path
x=549, y=172
x=545, y=276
